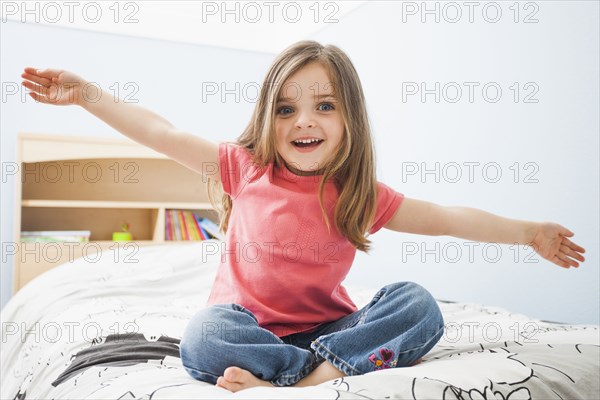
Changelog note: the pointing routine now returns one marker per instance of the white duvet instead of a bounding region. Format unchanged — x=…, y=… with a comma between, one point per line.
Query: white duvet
x=485, y=353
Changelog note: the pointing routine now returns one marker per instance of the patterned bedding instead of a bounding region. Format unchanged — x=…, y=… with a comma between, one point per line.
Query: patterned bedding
x=110, y=329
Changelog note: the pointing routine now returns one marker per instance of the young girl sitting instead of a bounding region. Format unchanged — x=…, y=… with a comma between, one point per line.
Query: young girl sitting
x=299, y=196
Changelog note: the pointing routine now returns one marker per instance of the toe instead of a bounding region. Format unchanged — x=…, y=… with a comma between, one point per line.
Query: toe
x=233, y=374
x=225, y=384
x=235, y=379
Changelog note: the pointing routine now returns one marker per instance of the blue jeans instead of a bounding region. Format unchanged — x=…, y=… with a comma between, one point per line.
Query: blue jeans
x=400, y=325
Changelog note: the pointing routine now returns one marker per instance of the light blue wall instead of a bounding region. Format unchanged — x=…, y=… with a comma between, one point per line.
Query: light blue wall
x=169, y=77
x=560, y=134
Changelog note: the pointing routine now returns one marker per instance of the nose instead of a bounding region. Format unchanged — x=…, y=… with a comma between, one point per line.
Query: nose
x=304, y=120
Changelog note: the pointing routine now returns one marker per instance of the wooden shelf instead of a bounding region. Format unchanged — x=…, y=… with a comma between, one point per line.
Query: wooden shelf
x=96, y=184
x=112, y=204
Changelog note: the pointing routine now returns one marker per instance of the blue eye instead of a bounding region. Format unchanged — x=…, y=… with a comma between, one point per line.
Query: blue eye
x=328, y=105
x=279, y=111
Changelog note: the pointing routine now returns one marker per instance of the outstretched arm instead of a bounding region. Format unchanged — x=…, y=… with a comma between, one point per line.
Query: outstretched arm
x=548, y=239
x=60, y=87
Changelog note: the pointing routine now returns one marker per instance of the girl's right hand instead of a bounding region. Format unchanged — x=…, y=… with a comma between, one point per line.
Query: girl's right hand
x=54, y=86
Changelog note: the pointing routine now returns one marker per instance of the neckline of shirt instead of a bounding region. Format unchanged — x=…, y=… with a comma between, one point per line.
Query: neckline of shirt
x=284, y=172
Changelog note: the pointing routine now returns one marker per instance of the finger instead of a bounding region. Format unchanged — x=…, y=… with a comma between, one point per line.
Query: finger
x=572, y=262
x=565, y=232
x=41, y=99
x=48, y=72
x=568, y=261
x=31, y=70
x=35, y=87
x=569, y=252
x=573, y=246
x=36, y=79
x=559, y=262
x=40, y=93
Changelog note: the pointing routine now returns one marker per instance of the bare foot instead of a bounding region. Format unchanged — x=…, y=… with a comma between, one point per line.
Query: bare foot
x=235, y=379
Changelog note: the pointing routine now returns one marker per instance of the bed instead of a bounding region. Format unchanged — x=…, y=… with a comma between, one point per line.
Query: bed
x=110, y=329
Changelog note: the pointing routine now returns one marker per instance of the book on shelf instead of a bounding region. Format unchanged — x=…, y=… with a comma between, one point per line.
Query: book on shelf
x=203, y=232
x=188, y=225
x=183, y=226
x=55, y=236
x=211, y=228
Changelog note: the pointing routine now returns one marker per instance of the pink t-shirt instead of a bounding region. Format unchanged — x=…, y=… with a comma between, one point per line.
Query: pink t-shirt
x=278, y=259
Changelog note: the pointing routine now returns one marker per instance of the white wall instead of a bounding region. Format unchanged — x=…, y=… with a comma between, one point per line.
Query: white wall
x=559, y=134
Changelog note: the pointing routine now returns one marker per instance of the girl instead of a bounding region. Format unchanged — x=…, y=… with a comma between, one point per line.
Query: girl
x=299, y=195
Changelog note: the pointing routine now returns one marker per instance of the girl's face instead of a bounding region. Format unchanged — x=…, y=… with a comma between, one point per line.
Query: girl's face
x=307, y=109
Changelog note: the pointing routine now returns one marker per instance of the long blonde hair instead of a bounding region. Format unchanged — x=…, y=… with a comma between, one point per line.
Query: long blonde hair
x=352, y=168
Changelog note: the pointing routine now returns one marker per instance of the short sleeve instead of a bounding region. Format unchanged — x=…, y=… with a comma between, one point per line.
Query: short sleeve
x=236, y=167
x=388, y=201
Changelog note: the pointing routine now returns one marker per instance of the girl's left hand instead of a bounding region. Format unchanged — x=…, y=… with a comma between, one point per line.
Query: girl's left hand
x=550, y=241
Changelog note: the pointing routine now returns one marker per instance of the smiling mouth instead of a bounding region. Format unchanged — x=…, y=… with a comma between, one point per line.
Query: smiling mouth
x=307, y=143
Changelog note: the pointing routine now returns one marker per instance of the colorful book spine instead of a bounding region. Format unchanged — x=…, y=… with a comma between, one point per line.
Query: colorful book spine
x=211, y=228
x=193, y=231
x=176, y=227
x=168, y=225
x=189, y=225
x=206, y=235
x=203, y=234
x=182, y=225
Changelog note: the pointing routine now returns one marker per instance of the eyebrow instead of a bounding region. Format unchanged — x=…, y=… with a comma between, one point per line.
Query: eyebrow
x=320, y=96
